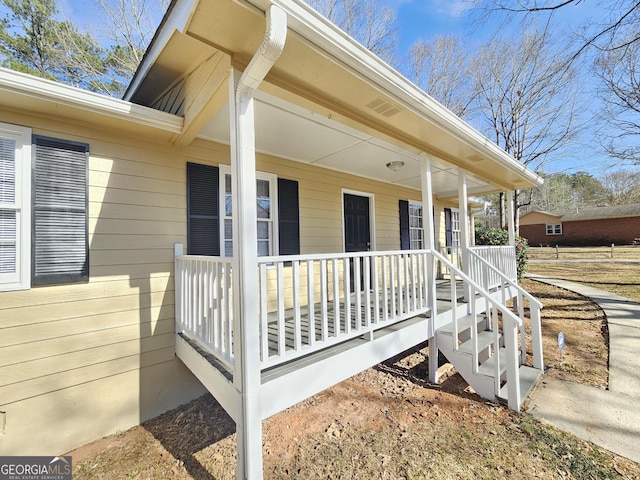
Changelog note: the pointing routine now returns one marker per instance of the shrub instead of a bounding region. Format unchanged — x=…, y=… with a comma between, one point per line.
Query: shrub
x=499, y=236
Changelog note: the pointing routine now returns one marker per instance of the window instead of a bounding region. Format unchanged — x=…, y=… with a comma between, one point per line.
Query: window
x=60, y=211
x=265, y=202
x=415, y=226
x=452, y=227
x=15, y=228
x=455, y=227
x=210, y=219
x=43, y=210
x=554, y=229
x=411, y=225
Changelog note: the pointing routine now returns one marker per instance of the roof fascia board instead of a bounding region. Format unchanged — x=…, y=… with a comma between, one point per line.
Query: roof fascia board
x=178, y=17
x=316, y=29
x=44, y=90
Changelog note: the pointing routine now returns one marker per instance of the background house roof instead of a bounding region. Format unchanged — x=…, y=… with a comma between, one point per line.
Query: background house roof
x=591, y=213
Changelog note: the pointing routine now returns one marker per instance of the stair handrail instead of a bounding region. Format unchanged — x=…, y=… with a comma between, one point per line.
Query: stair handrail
x=510, y=320
x=534, y=311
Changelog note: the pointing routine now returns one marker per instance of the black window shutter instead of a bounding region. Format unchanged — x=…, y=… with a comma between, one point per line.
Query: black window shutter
x=60, y=212
x=288, y=217
x=447, y=227
x=203, y=211
x=405, y=238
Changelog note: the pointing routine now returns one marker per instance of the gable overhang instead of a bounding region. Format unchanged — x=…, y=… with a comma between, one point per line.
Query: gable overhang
x=356, y=111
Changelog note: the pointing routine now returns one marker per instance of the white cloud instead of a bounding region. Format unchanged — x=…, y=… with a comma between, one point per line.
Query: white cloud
x=452, y=8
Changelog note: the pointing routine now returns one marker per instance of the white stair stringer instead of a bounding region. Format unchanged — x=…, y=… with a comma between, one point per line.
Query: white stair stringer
x=482, y=380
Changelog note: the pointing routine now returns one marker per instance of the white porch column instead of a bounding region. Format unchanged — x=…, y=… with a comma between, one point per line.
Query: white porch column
x=463, y=207
x=246, y=339
x=246, y=346
x=510, y=220
x=428, y=234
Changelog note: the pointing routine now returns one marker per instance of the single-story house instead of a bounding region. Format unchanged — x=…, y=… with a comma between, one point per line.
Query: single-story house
x=592, y=226
x=258, y=217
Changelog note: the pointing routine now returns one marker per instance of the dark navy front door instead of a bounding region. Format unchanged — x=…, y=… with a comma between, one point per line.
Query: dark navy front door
x=357, y=228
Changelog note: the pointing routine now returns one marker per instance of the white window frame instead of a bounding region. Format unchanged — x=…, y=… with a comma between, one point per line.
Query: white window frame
x=455, y=227
x=412, y=243
x=20, y=279
x=272, y=221
x=554, y=229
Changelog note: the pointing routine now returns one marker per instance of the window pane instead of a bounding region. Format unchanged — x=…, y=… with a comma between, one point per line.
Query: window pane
x=264, y=208
x=228, y=229
x=263, y=248
x=7, y=241
x=262, y=188
x=7, y=170
x=263, y=230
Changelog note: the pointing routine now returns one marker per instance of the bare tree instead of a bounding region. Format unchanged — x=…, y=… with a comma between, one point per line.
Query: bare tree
x=526, y=99
x=368, y=21
x=127, y=29
x=623, y=187
x=610, y=31
x=440, y=67
x=619, y=74
x=612, y=34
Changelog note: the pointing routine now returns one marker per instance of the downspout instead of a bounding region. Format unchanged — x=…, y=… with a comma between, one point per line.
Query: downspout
x=247, y=378
x=269, y=51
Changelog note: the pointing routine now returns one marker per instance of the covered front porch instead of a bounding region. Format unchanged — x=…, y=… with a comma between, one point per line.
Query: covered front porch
x=314, y=238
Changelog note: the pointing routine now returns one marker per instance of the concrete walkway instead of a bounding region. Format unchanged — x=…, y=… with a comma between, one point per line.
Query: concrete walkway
x=609, y=418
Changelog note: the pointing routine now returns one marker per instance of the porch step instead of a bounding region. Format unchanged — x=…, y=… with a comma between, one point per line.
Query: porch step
x=464, y=324
x=485, y=340
x=529, y=377
x=488, y=366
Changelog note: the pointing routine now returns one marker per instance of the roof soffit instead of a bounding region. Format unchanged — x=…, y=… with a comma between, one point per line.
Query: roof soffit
x=345, y=83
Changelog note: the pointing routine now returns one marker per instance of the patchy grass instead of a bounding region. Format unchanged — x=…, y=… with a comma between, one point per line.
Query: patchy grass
x=380, y=424
x=586, y=354
x=620, y=278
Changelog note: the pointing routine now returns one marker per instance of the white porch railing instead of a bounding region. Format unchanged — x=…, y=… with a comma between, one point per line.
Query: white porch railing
x=204, y=303
x=486, y=270
x=310, y=302
x=307, y=302
x=488, y=264
x=503, y=323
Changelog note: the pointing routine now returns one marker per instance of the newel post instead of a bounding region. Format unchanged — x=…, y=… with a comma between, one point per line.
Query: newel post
x=178, y=251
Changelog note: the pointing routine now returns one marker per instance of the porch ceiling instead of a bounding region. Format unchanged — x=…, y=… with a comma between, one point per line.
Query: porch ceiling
x=295, y=133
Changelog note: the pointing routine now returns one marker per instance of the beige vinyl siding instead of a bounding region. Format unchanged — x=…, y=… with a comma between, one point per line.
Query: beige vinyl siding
x=321, y=229
x=118, y=327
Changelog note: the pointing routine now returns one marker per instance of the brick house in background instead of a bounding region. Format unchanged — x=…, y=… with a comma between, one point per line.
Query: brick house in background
x=619, y=224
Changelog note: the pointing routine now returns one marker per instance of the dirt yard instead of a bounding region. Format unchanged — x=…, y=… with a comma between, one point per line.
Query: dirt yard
x=386, y=423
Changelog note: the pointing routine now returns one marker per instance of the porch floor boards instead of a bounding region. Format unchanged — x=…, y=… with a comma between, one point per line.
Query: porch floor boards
x=357, y=322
